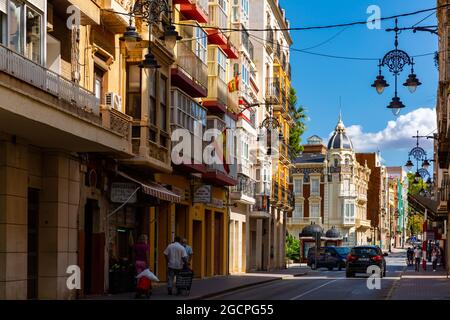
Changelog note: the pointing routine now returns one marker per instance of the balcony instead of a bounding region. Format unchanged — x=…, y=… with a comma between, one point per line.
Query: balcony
x=221, y=175
x=269, y=40
x=189, y=115
x=114, y=14
x=304, y=220
x=90, y=12
x=261, y=208
x=244, y=191
x=217, y=88
x=194, y=9
x=37, y=103
x=363, y=224
x=273, y=90
x=218, y=20
x=189, y=72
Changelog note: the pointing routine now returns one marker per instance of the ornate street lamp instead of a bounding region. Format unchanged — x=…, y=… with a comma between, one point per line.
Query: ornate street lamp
x=150, y=12
x=420, y=155
x=409, y=165
x=395, y=60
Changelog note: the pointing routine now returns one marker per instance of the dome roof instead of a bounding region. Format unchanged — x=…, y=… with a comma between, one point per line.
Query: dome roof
x=339, y=139
x=311, y=230
x=333, y=233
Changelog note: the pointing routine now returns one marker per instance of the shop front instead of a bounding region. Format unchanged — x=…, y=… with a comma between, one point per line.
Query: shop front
x=201, y=218
x=138, y=208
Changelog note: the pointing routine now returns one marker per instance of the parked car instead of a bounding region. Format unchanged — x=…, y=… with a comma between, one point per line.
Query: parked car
x=328, y=257
x=362, y=257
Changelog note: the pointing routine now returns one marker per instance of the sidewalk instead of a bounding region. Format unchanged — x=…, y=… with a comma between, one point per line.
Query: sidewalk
x=209, y=287
x=422, y=285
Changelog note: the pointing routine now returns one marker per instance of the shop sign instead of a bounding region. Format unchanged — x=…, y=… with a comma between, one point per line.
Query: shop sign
x=121, y=192
x=430, y=235
x=203, y=194
x=217, y=203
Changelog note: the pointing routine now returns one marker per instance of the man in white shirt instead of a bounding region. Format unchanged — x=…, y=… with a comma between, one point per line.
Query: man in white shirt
x=176, y=257
x=418, y=257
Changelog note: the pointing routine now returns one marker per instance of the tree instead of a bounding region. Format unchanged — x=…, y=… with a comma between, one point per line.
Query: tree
x=299, y=127
x=292, y=248
x=415, y=223
x=415, y=188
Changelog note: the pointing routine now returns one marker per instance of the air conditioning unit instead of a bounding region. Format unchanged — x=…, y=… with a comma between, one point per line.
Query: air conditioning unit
x=113, y=100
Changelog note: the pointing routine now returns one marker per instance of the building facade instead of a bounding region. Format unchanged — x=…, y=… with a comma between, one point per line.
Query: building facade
x=330, y=189
x=377, y=196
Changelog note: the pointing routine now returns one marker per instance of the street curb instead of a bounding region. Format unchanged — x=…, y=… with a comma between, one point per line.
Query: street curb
x=219, y=293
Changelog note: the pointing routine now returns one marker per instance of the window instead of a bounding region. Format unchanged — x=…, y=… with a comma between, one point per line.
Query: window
x=315, y=186
x=336, y=162
x=298, y=186
x=99, y=84
x=163, y=103
x=201, y=44
x=24, y=31
x=152, y=106
x=33, y=36
x=2, y=28
x=15, y=26
x=314, y=211
x=235, y=11
x=349, y=212
x=222, y=65
x=245, y=8
x=298, y=212
x=133, y=107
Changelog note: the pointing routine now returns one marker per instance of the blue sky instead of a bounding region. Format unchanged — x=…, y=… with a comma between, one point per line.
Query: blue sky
x=320, y=82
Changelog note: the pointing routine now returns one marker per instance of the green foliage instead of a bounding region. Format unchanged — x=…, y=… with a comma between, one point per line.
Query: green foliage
x=415, y=188
x=415, y=224
x=292, y=248
x=299, y=128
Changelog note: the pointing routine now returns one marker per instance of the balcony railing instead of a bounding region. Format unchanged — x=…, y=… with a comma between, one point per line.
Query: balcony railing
x=49, y=81
x=245, y=186
x=192, y=64
x=273, y=89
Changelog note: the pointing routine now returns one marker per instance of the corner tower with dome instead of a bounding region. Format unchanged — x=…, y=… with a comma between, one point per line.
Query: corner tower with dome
x=330, y=189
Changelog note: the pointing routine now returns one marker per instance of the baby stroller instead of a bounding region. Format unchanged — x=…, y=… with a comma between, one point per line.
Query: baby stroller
x=184, y=281
x=144, y=284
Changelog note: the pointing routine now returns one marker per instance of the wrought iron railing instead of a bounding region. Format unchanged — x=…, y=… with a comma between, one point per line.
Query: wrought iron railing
x=26, y=70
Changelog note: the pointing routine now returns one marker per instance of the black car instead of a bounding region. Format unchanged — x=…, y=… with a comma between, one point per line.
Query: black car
x=362, y=257
x=329, y=257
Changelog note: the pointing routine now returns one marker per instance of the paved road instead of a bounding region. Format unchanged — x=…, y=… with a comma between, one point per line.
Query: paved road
x=323, y=284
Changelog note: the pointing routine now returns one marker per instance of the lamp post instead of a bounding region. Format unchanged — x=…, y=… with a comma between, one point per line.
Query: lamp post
x=150, y=12
x=420, y=155
x=395, y=60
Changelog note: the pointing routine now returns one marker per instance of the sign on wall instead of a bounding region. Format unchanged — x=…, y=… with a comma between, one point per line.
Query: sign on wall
x=121, y=192
x=203, y=194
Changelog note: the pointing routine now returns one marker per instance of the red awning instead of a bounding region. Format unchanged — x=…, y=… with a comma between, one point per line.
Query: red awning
x=153, y=189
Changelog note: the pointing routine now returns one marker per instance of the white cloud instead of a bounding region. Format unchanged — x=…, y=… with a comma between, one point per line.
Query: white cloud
x=398, y=134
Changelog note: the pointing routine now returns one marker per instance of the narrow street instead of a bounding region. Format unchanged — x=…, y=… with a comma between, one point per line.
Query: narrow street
x=331, y=285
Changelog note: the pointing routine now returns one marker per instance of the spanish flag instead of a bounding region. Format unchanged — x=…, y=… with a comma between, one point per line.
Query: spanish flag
x=233, y=85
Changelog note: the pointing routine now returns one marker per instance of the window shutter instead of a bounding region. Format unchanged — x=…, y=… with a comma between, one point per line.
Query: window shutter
x=3, y=6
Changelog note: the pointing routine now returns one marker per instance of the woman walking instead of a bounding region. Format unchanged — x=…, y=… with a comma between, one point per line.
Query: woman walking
x=140, y=254
x=434, y=257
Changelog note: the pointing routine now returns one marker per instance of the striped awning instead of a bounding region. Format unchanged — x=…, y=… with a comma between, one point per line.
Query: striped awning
x=153, y=189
